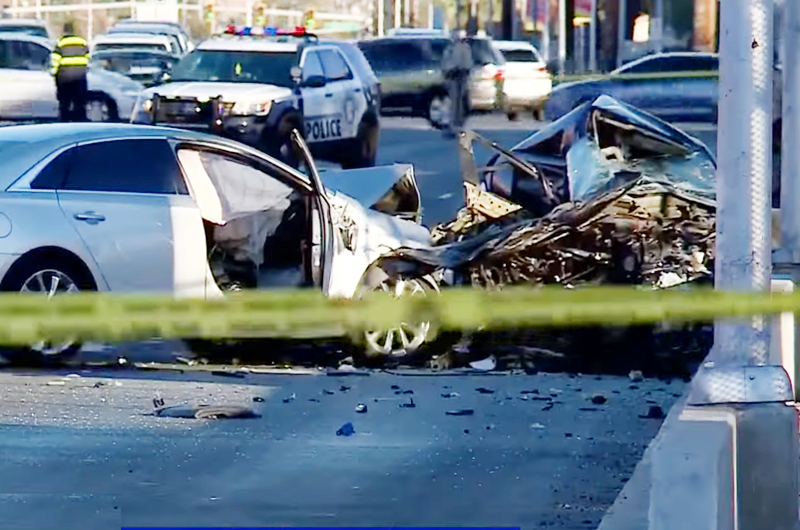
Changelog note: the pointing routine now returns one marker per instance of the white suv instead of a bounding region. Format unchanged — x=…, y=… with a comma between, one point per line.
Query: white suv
x=258, y=88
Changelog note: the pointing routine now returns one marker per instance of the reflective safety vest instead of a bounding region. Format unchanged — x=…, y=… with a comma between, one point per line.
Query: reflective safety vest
x=70, y=58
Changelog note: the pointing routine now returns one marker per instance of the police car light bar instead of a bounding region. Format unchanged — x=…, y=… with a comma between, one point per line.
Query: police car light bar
x=266, y=31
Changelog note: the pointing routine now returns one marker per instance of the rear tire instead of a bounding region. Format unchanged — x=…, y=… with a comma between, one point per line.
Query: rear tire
x=512, y=115
x=49, y=276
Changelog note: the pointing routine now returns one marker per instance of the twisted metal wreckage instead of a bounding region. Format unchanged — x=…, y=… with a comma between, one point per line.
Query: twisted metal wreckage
x=605, y=195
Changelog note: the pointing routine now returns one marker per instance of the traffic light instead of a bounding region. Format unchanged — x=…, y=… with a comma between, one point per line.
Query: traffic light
x=260, y=14
x=310, y=23
x=209, y=11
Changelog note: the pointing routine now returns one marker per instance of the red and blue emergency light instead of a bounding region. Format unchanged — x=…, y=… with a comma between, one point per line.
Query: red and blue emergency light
x=266, y=31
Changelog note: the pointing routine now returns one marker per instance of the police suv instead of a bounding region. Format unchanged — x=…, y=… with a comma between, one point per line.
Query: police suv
x=256, y=85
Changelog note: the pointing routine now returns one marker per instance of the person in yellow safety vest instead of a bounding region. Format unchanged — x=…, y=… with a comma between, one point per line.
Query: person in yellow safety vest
x=69, y=62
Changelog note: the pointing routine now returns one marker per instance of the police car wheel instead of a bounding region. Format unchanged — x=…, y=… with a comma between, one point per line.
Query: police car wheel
x=364, y=149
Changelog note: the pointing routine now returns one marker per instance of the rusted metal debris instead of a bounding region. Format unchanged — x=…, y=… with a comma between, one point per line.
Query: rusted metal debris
x=640, y=233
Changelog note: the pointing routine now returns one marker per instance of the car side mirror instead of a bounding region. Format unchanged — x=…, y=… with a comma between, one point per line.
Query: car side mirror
x=296, y=73
x=315, y=81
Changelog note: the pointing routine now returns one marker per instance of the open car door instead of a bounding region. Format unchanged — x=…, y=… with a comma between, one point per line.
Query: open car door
x=330, y=240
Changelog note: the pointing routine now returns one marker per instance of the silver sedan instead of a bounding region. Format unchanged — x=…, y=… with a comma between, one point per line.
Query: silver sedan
x=131, y=208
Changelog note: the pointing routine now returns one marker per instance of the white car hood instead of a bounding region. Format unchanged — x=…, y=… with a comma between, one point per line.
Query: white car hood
x=387, y=189
x=228, y=91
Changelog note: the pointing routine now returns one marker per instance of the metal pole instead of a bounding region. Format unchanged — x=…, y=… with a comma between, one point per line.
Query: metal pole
x=562, y=36
x=248, y=19
x=593, y=38
x=430, y=14
x=381, y=18
x=546, y=32
x=657, y=33
x=790, y=153
x=744, y=175
x=737, y=376
x=398, y=12
x=90, y=23
x=622, y=30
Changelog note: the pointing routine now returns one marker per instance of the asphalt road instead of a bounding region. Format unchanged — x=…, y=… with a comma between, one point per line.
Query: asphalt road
x=78, y=453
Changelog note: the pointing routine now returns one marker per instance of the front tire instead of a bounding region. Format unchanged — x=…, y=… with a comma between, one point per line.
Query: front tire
x=101, y=108
x=49, y=277
x=439, y=111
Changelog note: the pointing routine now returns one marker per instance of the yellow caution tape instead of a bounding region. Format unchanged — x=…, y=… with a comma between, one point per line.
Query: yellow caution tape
x=26, y=318
x=557, y=79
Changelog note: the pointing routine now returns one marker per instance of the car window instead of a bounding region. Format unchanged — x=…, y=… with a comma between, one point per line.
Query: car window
x=312, y=66
x=15, y=55
x=38, y=57
x=132, y=166
x=335, y=67
x=130, y=46
x=36, y=31
x=227, y=188
x=226, y=66
x=521, y=56
x=393, y=56
x=357, y=59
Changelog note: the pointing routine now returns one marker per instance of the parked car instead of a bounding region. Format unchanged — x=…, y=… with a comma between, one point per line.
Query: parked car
x=29, y=91
x=27, y=26
x=527, y=83
x=408, y=65
x=137, y=41
x=146, y=67
x=130, y=208
x=685, y=95
x=174, y=31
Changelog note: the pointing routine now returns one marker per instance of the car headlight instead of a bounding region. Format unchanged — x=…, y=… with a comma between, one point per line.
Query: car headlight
x=147, y=105
x=251, y=108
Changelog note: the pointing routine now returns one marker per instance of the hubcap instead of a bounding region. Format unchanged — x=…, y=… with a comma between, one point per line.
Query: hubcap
x=50, y=282
x=97, y=111
x=440, y=110
x=406, y=337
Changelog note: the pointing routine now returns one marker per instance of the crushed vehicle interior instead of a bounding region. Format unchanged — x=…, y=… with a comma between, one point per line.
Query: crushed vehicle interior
x=259, y=225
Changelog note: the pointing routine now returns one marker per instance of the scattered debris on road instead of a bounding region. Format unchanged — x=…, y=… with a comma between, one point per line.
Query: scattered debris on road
x=346, y=430
x=654, y=413
x=599, y=399
x=463, y=412
x=361, y=408
x=409, y=405
x=205, y=412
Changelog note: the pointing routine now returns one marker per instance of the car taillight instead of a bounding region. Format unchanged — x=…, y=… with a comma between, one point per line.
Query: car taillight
x=543, y=69
x=498, y=76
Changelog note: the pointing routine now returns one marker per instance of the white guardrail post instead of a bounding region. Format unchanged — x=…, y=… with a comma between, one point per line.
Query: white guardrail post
x=741, y=393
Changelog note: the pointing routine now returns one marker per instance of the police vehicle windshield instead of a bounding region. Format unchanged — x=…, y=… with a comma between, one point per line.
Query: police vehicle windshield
x=237, y=67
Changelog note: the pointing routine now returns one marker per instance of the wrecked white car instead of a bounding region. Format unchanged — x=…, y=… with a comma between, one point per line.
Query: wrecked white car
x=129, y=208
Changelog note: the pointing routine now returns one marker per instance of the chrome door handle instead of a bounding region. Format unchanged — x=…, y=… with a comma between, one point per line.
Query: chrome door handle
x=90, y=217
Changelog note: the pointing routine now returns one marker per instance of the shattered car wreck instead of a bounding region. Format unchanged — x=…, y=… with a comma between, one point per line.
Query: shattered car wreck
x=607, y=194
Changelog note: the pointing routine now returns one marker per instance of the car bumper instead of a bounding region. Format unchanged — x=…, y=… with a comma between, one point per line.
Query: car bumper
x=251, y=130
x=126, y=102
x=528, y=93
x=483, y=94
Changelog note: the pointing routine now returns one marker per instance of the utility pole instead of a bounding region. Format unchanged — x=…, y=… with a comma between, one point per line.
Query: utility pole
x=562, y=36
x=380, y=23
x=622, y=30
x=593, y=38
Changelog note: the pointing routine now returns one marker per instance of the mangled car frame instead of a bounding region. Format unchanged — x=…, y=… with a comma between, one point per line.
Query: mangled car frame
x=606, y=194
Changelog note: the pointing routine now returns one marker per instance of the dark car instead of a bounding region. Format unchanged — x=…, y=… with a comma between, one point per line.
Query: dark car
x=147, y=67
x=168, y=29
x=408, y=66
x=673, y=86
